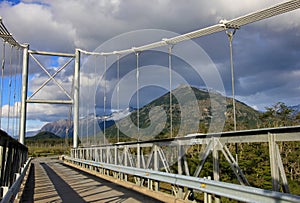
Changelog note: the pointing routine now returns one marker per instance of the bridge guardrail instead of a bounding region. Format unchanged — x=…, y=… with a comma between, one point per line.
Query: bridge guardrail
x=13, y=165
x=229, y=190
x=11, y=193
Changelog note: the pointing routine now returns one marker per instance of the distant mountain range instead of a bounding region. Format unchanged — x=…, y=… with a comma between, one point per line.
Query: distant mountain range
x=295, y=108
x=247, y=117
x=62, y=128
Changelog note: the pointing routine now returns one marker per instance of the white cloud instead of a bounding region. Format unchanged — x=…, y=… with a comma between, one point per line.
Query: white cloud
x=34, y=125
x=61, y=26
x=34, y=24
x=47, y=112
x=51, y=91
x=43, y=112
x=11, y=111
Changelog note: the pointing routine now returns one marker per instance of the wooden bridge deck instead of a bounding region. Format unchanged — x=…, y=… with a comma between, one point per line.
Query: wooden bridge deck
x=52, y=181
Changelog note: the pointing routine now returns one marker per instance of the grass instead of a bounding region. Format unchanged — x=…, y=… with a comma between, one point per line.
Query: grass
x=46, y=150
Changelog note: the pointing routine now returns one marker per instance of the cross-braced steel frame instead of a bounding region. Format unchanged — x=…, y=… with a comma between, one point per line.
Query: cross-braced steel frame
x=51, y=77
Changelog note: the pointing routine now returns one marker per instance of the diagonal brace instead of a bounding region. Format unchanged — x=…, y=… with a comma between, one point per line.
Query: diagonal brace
x=51, y=77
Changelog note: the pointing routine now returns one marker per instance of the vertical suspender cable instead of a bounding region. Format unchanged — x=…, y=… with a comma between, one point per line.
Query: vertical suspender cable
x=2, y=81
x=14, y=95
x=95, y=89
x=170, y=85
x=88, y=110
x=19, y=90
x=104, y=99
x=137, y=95
x=118, y=92
x=9, y=88
x=230, y=37
x=81, y=128
x=69, y=122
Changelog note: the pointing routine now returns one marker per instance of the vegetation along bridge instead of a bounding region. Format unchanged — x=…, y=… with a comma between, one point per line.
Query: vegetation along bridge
x=169, y=150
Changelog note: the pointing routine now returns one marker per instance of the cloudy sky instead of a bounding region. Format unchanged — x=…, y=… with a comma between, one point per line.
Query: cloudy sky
x=266, y=53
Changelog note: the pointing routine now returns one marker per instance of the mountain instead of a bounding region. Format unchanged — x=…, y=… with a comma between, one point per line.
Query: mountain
x=182, y=105
x=32, y=133
x=64, y=127
x=246, y=117
x=59, y=128
x=44, y=136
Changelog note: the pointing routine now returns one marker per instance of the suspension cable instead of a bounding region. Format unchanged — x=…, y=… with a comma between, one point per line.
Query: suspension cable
x=14, y=95
x=104, y=99
x=118, y=92
x=9, y=88
x=19, y=89
x=88, y=110
x=81, y=129
x=170, y=86
x=95, y=89
x=230, y=35
x=137, y=95
x=69, y=124
x=2, y=81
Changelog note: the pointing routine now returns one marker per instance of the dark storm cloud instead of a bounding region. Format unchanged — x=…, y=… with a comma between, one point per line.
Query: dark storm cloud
x=266, y=54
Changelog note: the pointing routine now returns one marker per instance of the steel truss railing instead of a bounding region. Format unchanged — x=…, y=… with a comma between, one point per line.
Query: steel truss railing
x=13, y=165
x=232, y=191
x=147, y=162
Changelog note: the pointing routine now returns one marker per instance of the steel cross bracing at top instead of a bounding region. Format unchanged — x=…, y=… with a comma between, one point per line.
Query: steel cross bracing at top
x=6, y=36
x=221, y=26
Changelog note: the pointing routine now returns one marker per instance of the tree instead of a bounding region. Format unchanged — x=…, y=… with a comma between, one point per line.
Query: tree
x=278, y=115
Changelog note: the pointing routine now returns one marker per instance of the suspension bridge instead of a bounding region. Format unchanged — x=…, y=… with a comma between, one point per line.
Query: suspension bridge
x=143, y=169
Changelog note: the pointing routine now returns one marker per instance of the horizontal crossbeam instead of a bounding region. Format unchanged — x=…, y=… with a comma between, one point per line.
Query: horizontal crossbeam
x=44, y=101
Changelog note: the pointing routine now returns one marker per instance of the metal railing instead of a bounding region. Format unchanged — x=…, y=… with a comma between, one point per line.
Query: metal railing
x=232, y=191
x=148, y=164
x=13, y=165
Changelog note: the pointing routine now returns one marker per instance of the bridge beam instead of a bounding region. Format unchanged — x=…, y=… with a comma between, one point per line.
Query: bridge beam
x=24, y=95
x=277, y=169
x=76, y=99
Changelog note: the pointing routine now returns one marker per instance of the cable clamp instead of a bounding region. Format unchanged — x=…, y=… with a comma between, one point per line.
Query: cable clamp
x=228, y=25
